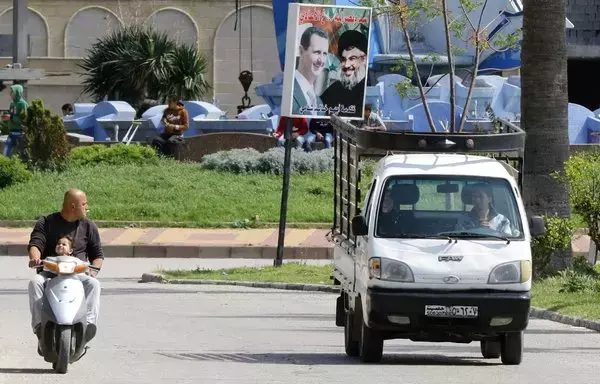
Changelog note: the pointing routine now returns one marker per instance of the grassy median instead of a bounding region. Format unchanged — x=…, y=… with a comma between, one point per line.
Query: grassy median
x=174, y=194
x=288, y=273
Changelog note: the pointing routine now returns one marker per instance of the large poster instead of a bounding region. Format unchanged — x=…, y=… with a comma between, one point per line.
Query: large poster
x=326, y=61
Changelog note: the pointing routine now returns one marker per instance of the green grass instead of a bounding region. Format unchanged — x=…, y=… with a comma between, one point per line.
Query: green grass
x=172, y=193
x=287, y=273
x=545, y=294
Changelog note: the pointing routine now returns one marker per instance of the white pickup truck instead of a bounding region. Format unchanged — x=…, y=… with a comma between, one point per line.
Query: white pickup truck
x=438, y=249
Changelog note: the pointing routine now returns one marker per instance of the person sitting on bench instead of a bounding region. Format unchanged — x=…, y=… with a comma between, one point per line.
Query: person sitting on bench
x=175, y=121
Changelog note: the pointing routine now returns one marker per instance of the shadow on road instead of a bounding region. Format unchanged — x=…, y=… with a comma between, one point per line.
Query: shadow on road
x=325, y=359
x=26, y=371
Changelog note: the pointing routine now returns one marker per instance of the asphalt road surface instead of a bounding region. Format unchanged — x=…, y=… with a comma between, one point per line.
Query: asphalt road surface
x=151, y=333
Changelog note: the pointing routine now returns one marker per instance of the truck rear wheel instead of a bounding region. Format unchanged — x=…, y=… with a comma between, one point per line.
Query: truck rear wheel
x=371, y=345
x=490, y=349
x=350, y=344
x=512, y=348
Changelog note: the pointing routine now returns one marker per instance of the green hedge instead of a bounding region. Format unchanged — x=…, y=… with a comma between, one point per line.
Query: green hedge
x=13, y=171
x=116, y=154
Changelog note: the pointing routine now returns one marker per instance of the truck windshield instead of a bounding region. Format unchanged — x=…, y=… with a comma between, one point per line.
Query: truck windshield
x=448, y=206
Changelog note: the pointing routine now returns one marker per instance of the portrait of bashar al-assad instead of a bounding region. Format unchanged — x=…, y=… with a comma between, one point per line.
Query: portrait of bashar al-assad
x=348, y=91
x=313, y=50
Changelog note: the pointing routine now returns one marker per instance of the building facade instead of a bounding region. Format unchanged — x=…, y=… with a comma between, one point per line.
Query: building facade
x=60, y=32
x=584, y=52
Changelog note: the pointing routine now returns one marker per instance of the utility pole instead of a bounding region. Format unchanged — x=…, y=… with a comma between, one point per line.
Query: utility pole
x=289, y=125
x=20, y=40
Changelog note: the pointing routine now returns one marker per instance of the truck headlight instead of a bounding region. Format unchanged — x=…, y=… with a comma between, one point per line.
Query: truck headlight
x=391, y=270
x=511, y=273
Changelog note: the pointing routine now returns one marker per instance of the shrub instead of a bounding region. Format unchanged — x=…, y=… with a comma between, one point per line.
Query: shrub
x=580, y=277
x=249, y=160
x=117, y=154
x=45, y=143
x=572, y=281
x=558, y=237
x=582, y=176
x=13, y=171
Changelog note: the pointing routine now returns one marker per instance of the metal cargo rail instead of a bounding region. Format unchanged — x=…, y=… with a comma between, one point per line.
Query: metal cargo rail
x=353, y=145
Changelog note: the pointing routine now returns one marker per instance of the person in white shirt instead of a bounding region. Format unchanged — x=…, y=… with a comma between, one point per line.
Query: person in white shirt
x=314, y=47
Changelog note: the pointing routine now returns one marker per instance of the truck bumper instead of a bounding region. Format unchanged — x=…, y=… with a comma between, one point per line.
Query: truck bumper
x=402, y=314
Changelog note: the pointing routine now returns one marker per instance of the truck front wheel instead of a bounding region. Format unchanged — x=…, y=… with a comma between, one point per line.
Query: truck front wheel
x=350, y=344
x=371, y=345
x=490, y=349
x=512, y=348
x=340, y=311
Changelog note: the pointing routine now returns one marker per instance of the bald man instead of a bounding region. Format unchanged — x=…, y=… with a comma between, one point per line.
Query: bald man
x=71, y=220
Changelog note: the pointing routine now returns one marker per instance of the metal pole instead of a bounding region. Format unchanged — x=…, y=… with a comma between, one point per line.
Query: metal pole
x=284, y=192
x=20, y=16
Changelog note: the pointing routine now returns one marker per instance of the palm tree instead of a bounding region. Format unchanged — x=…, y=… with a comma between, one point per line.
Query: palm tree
x=544, y=108
x=186, y=78
x=137, y=63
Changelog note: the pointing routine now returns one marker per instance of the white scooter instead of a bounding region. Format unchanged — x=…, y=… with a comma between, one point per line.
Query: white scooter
x=62, y=338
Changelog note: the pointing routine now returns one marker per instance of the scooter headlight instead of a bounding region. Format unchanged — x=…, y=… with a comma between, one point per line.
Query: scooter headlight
x=66, y=267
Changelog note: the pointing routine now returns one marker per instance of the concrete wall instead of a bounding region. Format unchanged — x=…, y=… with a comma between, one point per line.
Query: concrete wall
x=62, y=30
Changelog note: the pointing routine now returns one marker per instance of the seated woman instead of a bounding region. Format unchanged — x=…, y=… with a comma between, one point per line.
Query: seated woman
x=483, y=214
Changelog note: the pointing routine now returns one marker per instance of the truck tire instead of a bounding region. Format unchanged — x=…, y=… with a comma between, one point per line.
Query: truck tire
x=371, y=345
x=64, y=349
x=340, y=311
x=350, y=344
x=490, y=349
x=512, y=348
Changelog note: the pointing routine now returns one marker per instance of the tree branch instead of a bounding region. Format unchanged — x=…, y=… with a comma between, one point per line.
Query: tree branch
x=416, y=69
x=451, y=66
x=463, y=118
x=466, y=15
x=478, y=51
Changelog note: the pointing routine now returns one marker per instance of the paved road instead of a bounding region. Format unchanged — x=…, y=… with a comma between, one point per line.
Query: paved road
x=153, y=333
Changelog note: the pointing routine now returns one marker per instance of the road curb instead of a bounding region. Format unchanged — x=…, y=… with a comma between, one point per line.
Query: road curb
x=158, y=278
x=545, y=314
x=168, y=251
x=538, y=313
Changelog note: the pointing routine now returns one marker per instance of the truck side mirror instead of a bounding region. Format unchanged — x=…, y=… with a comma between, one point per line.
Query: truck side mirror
x=536, y=226
x=359, y=226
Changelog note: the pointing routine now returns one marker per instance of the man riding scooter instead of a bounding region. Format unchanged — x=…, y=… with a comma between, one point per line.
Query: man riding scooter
x=70, y=221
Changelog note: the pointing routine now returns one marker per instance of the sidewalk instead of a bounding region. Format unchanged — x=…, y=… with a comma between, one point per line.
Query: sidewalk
x=192, y=243
x=208, y=243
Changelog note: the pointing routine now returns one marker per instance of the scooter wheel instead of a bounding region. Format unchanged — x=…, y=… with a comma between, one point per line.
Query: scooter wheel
x=64, y=349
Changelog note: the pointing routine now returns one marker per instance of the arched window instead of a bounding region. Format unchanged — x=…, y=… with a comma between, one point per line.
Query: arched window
x=37, y=29
x=176, y=23
x=86, y=26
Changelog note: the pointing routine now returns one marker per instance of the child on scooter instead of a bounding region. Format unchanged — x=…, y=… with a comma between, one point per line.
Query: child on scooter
x=64, y=246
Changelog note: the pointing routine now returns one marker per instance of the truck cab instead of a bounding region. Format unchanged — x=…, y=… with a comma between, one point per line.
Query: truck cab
x=439, y=247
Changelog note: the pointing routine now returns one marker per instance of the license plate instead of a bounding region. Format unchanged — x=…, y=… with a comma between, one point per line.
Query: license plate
x=457, y=311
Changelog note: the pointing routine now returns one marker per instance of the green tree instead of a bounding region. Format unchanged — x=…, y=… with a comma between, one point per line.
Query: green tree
x=136, y=63
x=465, y=25
x=582, y=178
x=45, y=144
